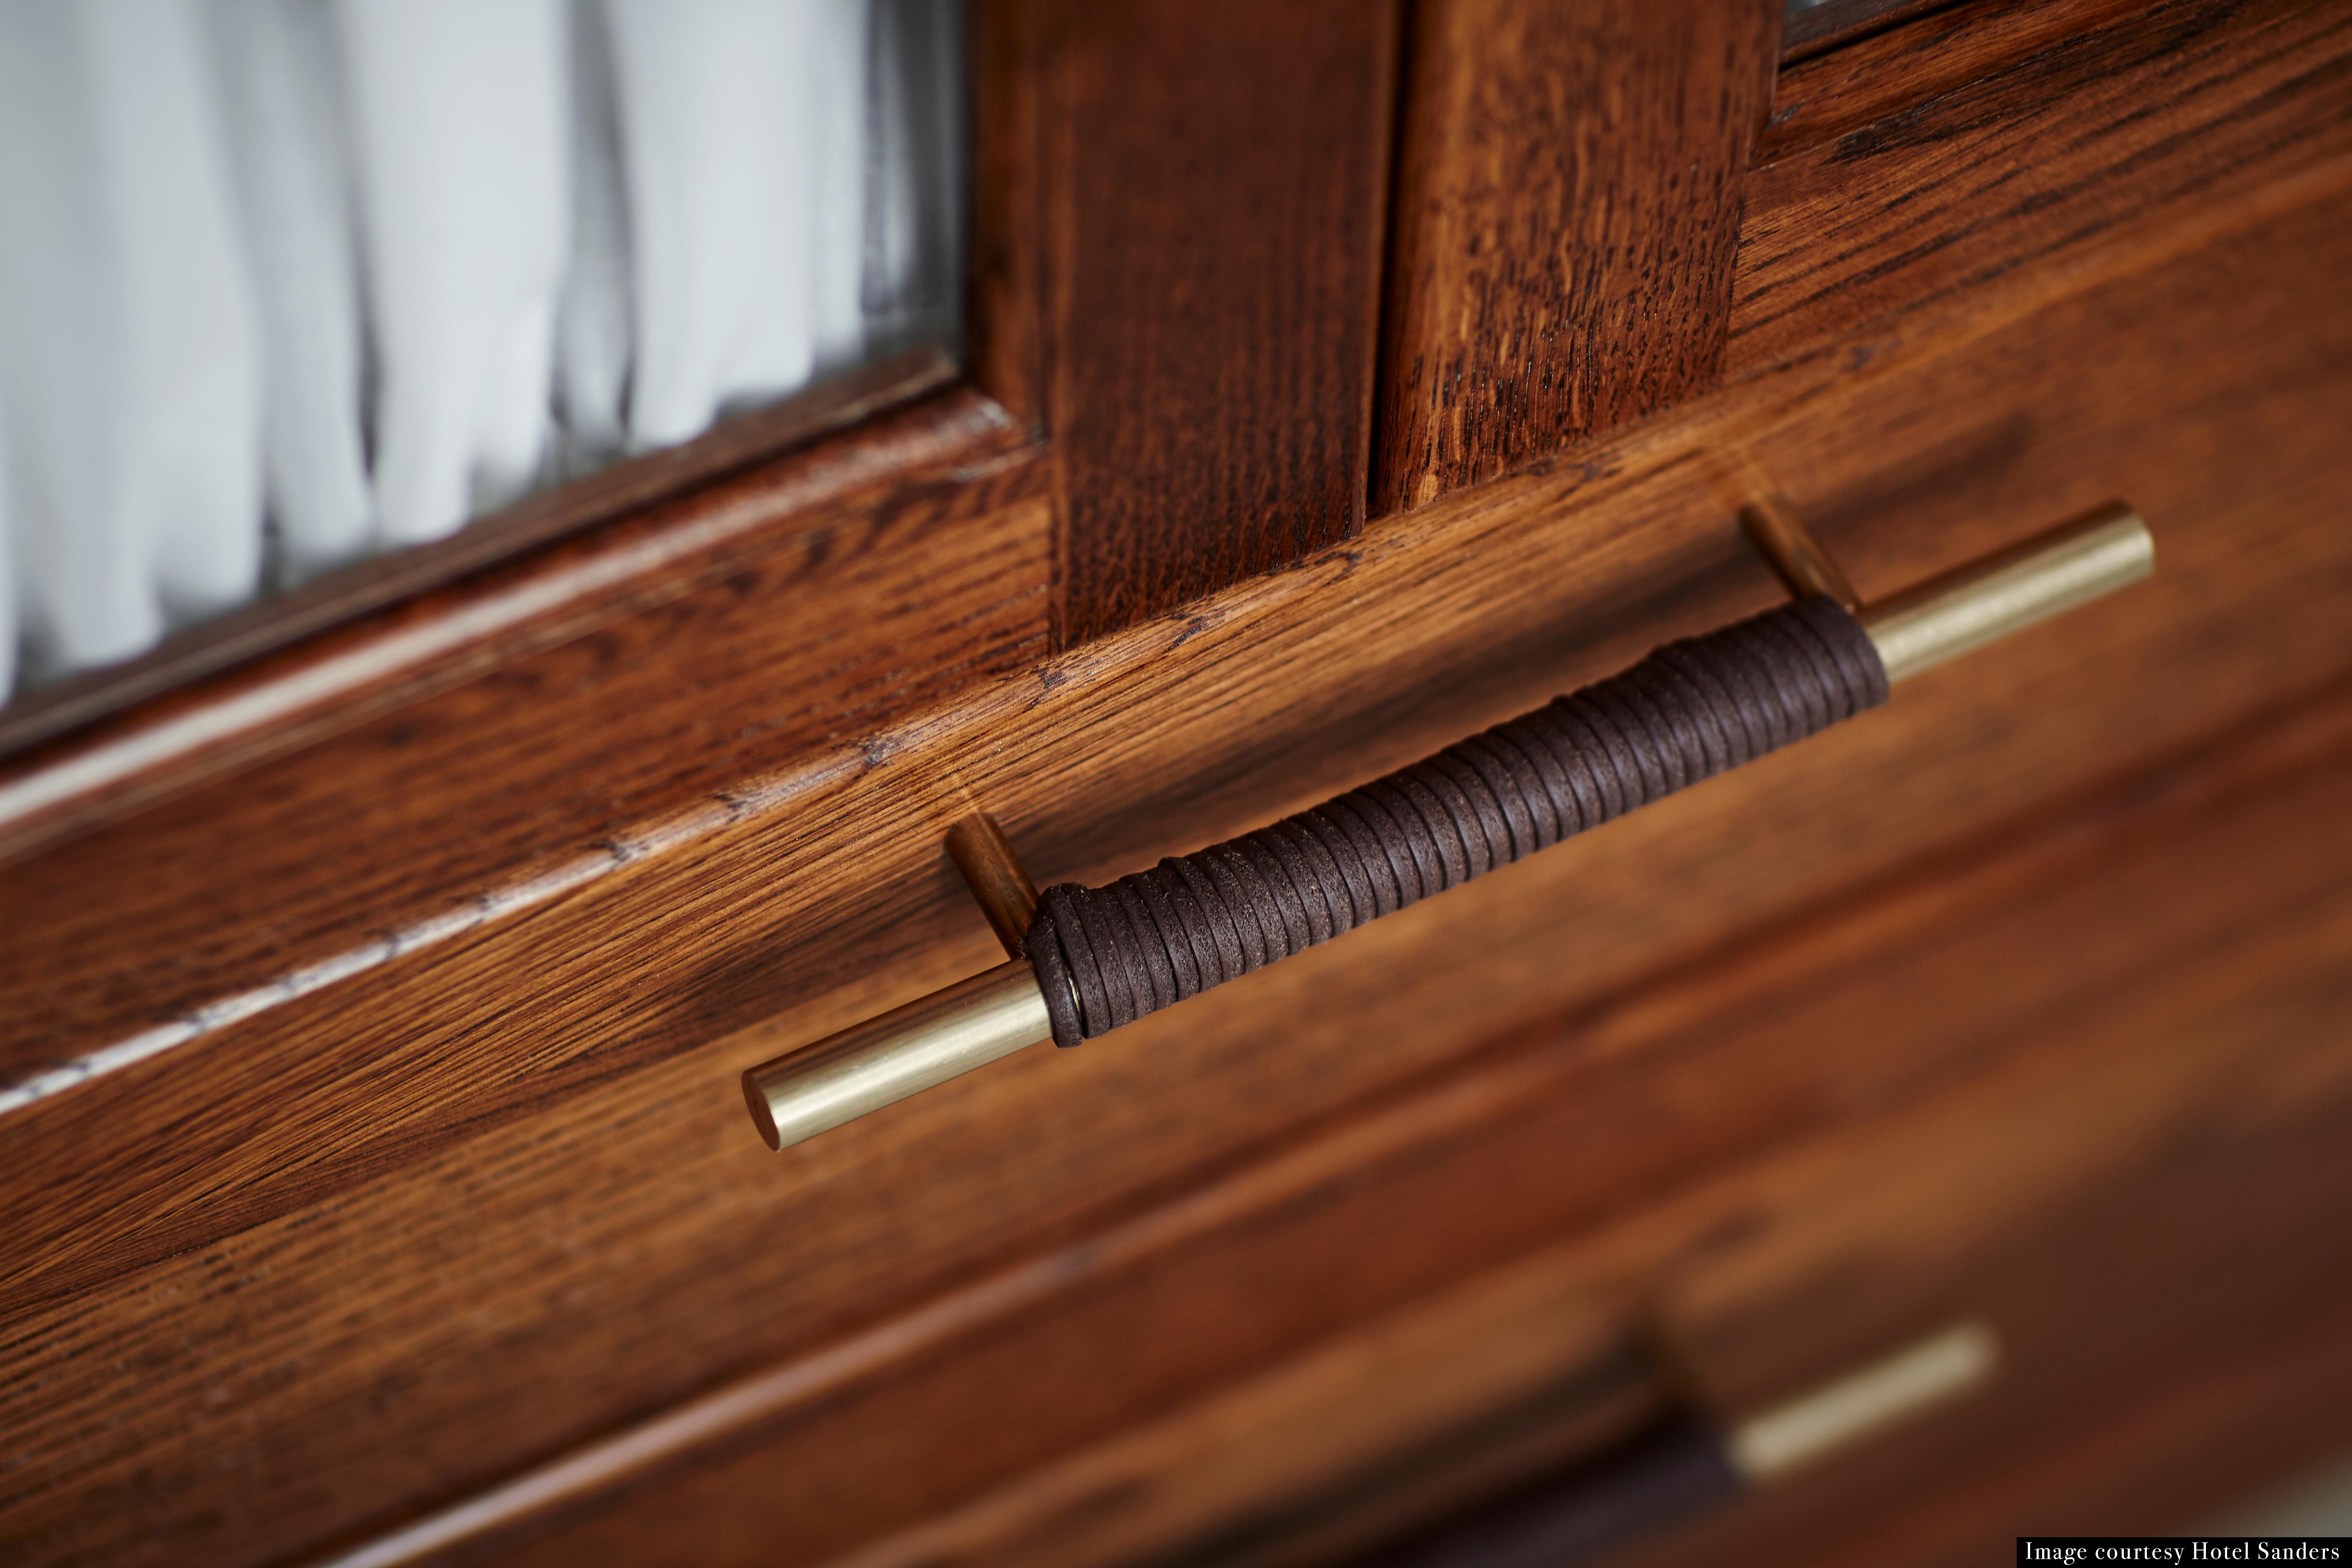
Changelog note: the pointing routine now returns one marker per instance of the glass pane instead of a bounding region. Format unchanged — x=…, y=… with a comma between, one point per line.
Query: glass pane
x=287, y=283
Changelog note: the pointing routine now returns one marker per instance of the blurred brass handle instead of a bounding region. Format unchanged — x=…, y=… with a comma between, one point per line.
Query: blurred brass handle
x=1009, y=1009
x=1691, y=1463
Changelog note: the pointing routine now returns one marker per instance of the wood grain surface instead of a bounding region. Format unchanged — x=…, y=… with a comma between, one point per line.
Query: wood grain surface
x=1568, y=190
x=485, y=1129
x=282, y=620
x=1730, y=1144
x=2118, y=1219
x=405, y=1165
x=2036, y=138
x=1183, y=207
x=2125, y=1278
x=780, y=544
x=2179, y=1345
x=300, y=893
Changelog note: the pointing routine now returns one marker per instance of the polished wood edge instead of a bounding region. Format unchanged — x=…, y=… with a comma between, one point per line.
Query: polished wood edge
x=2284, y=742
x=60, y=708
x=403, y=647
x=1833, y=24
x=1908, y=53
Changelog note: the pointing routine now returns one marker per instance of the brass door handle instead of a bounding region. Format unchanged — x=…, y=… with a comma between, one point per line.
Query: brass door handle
x=1092, y=959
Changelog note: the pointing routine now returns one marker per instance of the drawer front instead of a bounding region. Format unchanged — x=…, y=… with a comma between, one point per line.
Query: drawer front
x=1815, y=1145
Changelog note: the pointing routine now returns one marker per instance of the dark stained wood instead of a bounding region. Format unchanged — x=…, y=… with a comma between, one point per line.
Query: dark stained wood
x=1916, y=167
x=1183, y=207
x=333, y=600
x=1005, y=287
x=632, y=706
x=2138, y=1455
x=295, y=898
x=447, y=1185
x=1569, y=192
x=817, y=897
x=2143, y=1317
x=1722, y=1138
x=2159, y=1307
x=864, y=505
x=2178, y=1343
x=635, y=1225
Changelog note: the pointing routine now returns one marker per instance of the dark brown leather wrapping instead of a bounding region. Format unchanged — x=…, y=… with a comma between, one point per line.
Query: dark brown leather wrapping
x=1106, y=956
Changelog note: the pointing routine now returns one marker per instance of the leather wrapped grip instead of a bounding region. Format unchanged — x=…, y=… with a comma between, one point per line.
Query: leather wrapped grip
x=1106, y=956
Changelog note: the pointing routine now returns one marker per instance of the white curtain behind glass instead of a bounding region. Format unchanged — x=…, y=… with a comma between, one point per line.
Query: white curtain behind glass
x=285, y=282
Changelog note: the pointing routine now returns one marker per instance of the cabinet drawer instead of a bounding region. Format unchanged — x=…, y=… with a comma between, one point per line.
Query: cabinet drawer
x=409, y=1179
x=2125, y=1159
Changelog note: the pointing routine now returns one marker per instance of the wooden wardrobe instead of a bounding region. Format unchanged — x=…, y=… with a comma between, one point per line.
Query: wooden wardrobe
x=1341, y=377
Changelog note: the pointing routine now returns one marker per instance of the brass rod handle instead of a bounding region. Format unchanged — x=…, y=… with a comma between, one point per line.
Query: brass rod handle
x=1988, y=600
x=1010, y=1007
x=907, y=1049
x=1690, y=1463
